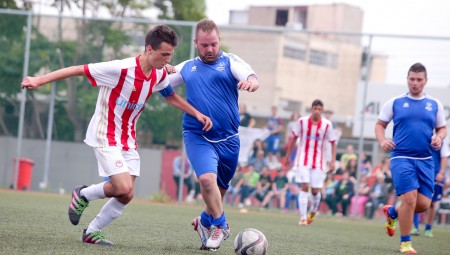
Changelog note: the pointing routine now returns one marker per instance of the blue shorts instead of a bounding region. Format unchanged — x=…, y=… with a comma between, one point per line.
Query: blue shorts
x=438, y=190
x=413, y=174
x=220, y=158
x=273, y=143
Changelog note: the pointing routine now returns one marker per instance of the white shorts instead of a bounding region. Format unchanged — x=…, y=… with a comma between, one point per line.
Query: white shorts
x=112, y=160
x=315, y=177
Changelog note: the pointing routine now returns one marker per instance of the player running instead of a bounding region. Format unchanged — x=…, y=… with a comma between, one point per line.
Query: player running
x=416, y=117
x=125, y=85
x=213, y=80
x=310, y=164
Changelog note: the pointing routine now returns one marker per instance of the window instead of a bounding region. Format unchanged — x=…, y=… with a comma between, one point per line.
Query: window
x=318, y=58
x=291, y=52
x=281, y=18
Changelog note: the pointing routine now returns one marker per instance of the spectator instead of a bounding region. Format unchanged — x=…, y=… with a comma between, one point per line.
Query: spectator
x=344, y=192
x=258, y=145
x=292, y=191
x=246, y=119
x=351, y=168
x=264, y=187
x=363, y=197
x=278, y=190
x=188, y=181
x=328, y=192
x=275, y=125
x=248, y=184
x=234, y=188
x=378, y=195
x=273, y=161
x=259, y=162
x=348, y=155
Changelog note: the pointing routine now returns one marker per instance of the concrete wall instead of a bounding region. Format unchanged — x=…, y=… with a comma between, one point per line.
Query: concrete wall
x=72, y=164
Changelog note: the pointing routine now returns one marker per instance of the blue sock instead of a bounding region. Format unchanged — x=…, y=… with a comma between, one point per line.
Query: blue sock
x=416, y=220
x=221, y=221
x=392, y=213
x=406, y=238
x=428, y=227
x=206, y=219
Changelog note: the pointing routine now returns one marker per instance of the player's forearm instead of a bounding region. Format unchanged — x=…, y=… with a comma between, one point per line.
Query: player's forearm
x=61, y=74
x=441, y=132
x=379, y=132
x=176, y=101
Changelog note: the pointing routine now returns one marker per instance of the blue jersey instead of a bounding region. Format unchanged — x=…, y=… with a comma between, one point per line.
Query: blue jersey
x=444, y=152
x=212, y=89
x=414, y=122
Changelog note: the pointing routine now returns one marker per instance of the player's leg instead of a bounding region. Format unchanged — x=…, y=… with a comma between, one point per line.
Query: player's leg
x=228, y=153
x=415, y=231
x=303, y=177
x=317, y=179
x=437, y=195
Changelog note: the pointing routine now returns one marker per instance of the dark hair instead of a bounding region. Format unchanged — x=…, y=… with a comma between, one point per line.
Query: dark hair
x=317, y=102
x=418, y=68
x=207, y=26
x=160, y=34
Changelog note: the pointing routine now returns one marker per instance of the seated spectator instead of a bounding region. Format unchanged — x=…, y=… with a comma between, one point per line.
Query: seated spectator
x=264, y=186
x=348, y=155
x=292, y=191
x=328, y=192
x=363, y=197
x=344, y=192
x=258, y=145
x=248, y=184
x=351, y=168
x=278, y=190
x=259, y=162
x=273, y=162
x=234, y=188
x=378, y=195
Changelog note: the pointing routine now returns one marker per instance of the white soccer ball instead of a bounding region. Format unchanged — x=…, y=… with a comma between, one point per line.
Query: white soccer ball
x=250, y=241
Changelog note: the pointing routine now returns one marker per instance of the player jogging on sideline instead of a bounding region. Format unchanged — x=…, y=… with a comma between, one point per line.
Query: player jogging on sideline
x=125, y=85
x=310, y=164
x=416, y=116
x=213, y=80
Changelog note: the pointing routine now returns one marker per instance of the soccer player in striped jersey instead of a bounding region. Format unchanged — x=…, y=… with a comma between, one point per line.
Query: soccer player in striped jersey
x=213, y=80
x=125, y=85
x=310, y=164
x=419, y=128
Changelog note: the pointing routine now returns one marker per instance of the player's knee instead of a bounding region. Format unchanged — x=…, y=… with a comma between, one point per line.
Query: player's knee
x=207, y=181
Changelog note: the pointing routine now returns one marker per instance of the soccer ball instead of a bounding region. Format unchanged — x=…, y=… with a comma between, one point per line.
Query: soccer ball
x=250, y=241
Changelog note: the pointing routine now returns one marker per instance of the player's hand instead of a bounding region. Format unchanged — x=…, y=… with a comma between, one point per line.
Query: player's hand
x=439, y=177
x=170, y=69
x=287, y=163
x=30, y=83
x=248, y=86
x=206, y=121
x=331, y=166
x=436, y=142
x=387, y=145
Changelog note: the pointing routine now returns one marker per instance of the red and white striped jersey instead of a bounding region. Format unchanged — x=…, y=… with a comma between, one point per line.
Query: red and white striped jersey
x=124, y=89
x=311, y=150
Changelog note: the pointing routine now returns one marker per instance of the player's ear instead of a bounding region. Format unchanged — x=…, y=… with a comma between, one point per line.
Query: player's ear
x=149, y=48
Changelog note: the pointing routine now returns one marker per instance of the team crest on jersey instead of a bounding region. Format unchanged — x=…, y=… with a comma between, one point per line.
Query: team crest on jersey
x=405, y=105
x=221, y=67
x=119, y=163
x=194, y=68
x=429, y=107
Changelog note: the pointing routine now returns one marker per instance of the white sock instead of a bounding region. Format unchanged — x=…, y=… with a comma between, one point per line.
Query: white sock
x=93, y=192
x=110, y=211
x=303, y=203
x=315, y=202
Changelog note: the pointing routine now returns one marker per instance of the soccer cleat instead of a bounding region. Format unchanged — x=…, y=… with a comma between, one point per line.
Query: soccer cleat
x=303, y=223
x=77, y=205
x=218, y=234
x=95, y=238
x=202, y=231
x=310, y=218
x=415, y=232
x=390, y=223
x=428, y=233
x=406, y=247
